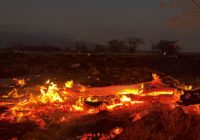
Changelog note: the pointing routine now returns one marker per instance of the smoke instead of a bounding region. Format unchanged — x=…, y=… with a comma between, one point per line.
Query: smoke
x=187, y=17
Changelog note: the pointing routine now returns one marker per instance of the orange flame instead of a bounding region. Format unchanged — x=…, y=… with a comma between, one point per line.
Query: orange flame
x=125, y=99
x=69, y=84
x=21, y=82
x=70, y=98
x=50, y=93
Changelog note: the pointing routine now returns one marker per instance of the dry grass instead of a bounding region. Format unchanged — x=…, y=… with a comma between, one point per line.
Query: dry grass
x=164, y=125
x=161, y=123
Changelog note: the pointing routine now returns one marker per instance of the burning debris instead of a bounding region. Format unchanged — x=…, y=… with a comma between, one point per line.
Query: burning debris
x=51, y=104
x=112, y=134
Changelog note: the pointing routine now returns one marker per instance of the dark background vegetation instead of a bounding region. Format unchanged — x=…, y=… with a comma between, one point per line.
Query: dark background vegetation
x=117, y=62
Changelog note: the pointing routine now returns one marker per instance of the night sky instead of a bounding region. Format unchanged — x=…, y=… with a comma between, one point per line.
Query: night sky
x=96, y=20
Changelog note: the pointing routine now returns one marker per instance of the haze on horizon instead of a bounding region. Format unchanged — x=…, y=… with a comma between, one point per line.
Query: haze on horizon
x=94, y=20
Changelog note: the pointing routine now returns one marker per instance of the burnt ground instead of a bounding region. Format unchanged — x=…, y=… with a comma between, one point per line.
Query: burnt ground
x=95, y=70
x=98, y=69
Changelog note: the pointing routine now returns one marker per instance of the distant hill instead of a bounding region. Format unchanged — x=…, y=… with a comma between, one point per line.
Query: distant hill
x=10, y=34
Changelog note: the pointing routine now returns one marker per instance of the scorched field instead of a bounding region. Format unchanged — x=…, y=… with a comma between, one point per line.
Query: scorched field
x=99, y=96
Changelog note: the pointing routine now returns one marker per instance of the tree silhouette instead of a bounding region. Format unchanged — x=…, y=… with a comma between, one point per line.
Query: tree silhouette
x=133, y=43
x=99, y=48
x=166, y=47
x=116, y=45
x=23, y=47
x=80, y=46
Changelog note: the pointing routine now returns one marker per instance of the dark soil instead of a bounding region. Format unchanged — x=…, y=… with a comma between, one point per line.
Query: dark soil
x=98, y=69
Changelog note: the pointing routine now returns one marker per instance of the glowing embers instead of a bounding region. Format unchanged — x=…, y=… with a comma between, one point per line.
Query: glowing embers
x=32, y=107
x=13, y=94
x=79, y=105
x=134, y=91
x=192, y=109
x=50, y=93
x=125, y=99
x=19, y=82
x=90, y=99
x=155, y=76
x=100, y=136
x=59, y=103
x=69, y=84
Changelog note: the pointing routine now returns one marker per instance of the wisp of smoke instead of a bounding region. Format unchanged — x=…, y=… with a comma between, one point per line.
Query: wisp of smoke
x=188, y=17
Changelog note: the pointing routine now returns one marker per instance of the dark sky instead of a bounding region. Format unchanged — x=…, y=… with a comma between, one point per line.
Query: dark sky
x=94, y=20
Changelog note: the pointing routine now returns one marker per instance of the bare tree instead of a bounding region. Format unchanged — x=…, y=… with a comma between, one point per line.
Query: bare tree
x=197, y=3
x=100, y=48
x=167, y=47
x=133, y=43
x=80, y=46
x=116, y=45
